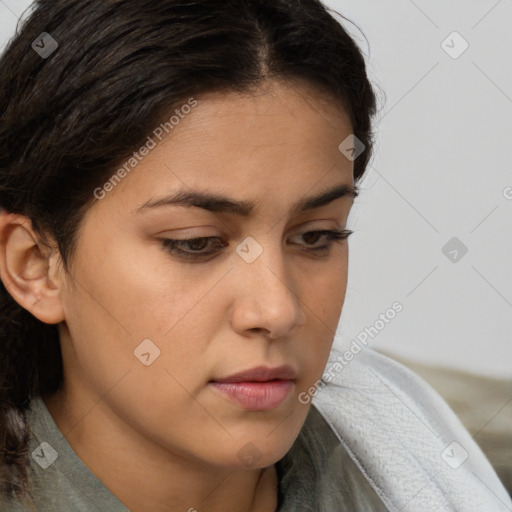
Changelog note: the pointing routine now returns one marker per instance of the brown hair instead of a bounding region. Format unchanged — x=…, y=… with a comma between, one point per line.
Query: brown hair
x=69, y=117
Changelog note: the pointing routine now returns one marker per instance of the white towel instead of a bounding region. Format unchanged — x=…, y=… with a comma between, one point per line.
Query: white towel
x=406, y=440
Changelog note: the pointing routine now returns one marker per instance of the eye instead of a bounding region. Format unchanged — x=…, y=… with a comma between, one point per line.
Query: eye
x=194, y=247
x=328, y=236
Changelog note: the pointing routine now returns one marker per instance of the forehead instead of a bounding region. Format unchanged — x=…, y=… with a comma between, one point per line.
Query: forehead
x=281, y=140
x=276, y=113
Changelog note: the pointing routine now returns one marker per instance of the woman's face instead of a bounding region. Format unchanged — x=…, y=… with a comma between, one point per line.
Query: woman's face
x=148, y=329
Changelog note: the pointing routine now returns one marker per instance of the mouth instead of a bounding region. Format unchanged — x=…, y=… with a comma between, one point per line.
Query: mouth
x=258, y=389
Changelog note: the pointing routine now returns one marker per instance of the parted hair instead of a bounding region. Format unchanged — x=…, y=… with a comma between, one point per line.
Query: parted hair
x=69, y=118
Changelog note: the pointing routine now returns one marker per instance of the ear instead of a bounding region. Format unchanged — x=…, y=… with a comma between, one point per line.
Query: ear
x=29, y=269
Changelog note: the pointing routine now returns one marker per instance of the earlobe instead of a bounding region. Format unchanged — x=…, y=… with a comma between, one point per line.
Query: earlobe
x=26, y=269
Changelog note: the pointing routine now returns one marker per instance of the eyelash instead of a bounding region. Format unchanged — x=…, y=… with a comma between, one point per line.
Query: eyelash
x=172, y=245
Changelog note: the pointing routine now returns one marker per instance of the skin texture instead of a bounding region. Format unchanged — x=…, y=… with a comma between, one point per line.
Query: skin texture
x=159, y=437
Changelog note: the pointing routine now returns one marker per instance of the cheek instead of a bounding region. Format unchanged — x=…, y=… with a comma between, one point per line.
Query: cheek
x=119, y=302
x=327, y=290
x=136, y=290
x=322, y=302
x=108, y=327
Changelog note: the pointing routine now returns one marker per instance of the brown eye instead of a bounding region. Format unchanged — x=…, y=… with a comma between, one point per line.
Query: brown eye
x=197, y=244
x=194, y=247
x=311, y=237
x=328, y=236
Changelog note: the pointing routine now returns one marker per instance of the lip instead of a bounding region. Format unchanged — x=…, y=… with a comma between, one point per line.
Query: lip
x=261, y=374
x=256, y=396
x=258, y=389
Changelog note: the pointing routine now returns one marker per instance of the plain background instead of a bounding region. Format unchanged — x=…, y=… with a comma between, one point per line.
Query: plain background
x=442, y=170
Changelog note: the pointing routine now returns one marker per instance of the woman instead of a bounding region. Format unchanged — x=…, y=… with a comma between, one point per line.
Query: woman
x=176, y=179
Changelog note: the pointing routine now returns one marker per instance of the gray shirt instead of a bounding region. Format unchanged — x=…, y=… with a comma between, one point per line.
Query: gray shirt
x=316, y=475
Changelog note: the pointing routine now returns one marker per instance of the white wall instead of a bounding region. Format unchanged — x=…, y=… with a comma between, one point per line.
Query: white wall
x=443, y=162
x=10, y=11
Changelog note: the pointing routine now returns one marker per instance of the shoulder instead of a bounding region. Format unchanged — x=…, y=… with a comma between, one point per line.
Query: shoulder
x=59, y=480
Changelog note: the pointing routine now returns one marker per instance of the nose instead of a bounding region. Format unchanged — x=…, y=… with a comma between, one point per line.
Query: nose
x=266, y=299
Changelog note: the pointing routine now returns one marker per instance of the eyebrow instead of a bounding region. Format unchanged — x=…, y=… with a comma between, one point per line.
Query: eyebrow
x=222, y=204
